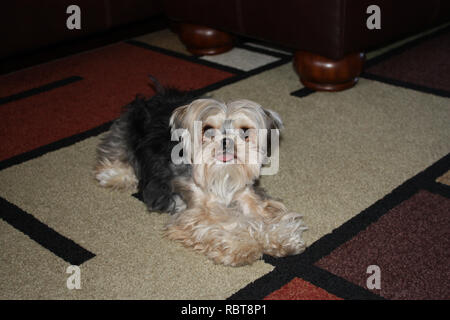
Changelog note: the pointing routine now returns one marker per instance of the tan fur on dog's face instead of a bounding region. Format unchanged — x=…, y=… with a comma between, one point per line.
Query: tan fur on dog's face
x=225, y=168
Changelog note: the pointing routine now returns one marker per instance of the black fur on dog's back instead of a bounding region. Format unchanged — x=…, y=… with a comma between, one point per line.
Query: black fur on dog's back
x=149, y=144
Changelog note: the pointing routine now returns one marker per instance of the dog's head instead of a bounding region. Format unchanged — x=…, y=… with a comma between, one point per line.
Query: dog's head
x=226, y=142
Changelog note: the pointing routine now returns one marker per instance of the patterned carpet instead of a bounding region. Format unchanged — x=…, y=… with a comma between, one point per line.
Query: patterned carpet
x=369, y=168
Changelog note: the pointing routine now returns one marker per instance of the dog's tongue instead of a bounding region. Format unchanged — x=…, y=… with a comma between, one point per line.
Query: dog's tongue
x=225, y=157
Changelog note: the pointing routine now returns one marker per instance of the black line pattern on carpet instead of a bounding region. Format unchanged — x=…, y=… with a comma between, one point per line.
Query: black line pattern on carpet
x=407, y=85
x=65, y=142
x=40, y=89
x=58, y=244
x=303, y=92
x=268, y=52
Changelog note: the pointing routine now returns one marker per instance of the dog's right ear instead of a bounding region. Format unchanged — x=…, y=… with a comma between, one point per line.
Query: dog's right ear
x=274, y=120
x=177, y=118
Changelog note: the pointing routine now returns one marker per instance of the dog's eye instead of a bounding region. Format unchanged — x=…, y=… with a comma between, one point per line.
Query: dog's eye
x=206, y=128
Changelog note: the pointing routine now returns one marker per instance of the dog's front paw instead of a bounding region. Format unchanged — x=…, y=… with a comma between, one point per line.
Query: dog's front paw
x=219, y=245
x=237, y=252
x=285, y=236
x=178, y=204
x=158, y=198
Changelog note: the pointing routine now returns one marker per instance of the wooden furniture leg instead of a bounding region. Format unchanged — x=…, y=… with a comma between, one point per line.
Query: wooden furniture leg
x=201, y=40
x=323, y=74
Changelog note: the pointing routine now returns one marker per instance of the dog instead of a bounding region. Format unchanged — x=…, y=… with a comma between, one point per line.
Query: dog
x=206, y=181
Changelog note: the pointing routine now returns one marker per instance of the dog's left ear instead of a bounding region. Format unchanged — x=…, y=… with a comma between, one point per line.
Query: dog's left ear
x=273, y=120
x=177, y=118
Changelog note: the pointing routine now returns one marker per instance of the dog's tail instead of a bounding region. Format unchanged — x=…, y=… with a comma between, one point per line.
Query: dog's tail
x=156, y=84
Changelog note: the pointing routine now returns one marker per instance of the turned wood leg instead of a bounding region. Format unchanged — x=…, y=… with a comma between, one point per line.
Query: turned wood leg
x=323, y=74
x=201, y=40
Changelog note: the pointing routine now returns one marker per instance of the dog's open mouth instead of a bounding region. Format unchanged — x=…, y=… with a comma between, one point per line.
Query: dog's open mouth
x=225, y=157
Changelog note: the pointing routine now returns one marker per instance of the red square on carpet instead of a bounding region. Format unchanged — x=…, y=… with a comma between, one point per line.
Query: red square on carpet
x=299, y=289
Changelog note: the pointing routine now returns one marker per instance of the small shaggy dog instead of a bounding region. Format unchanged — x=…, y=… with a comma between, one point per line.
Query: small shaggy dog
x=206, y=180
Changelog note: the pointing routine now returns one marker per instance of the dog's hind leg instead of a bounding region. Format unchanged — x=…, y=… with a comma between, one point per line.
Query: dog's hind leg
x=113, y=169
x=115, y=174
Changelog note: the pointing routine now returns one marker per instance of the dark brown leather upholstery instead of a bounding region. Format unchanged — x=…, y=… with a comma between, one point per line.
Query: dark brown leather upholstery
x=331, y=28
x=30, y=24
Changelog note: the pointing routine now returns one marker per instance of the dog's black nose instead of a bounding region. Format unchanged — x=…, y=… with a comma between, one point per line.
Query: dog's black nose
x=227, y=143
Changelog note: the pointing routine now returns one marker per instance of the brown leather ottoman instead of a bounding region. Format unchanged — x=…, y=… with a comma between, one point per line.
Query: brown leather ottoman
x=329, y=36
